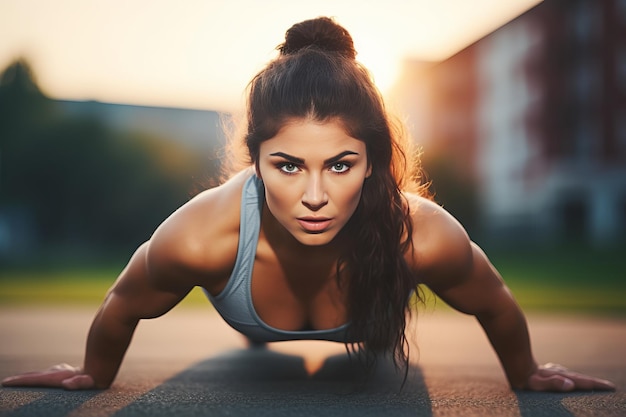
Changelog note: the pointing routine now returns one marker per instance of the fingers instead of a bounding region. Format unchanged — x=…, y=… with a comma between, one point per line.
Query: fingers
x=52, y=377
x=588, y=383
x=38, y=379
x=552, y=377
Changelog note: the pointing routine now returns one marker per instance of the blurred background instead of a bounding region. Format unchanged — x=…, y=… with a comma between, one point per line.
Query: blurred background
x=111, y=118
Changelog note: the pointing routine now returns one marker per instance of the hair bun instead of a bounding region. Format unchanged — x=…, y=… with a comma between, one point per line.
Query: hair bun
x=322, y=33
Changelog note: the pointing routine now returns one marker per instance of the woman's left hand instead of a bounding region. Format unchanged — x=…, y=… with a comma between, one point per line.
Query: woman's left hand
x=553, y=377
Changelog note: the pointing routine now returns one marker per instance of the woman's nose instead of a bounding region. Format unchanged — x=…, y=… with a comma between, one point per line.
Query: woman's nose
x=314, y=196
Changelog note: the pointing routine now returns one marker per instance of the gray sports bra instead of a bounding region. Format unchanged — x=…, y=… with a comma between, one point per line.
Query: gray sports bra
x=234, y=303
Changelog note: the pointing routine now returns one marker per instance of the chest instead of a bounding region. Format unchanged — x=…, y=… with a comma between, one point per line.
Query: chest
x=297, y=293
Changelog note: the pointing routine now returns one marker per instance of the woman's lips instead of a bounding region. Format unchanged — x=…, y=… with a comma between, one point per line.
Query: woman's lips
x=314, y=225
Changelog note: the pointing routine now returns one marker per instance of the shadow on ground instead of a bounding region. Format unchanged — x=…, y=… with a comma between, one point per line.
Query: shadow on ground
x=260, y=382
x=51, y=402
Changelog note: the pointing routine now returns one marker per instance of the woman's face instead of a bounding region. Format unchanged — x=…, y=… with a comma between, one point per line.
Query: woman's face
x=313, y=174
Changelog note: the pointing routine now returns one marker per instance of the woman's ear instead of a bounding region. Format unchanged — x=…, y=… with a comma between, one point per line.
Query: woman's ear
x=369, y=170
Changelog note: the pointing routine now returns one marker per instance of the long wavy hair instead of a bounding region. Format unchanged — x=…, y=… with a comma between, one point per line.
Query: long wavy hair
x=316, y=77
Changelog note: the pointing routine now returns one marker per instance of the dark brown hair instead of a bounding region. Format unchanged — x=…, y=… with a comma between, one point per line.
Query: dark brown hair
x=317, y=77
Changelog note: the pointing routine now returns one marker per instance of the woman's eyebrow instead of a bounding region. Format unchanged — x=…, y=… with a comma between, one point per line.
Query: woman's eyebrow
x=296, y=160
x=290, y=158
x=338, y=157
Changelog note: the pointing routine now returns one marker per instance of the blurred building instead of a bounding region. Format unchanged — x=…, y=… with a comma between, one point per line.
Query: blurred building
x=199, y=130
x=535, y=115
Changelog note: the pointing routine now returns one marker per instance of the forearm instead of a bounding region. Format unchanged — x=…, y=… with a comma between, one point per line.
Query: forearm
x=508, y=333
x=109, y=337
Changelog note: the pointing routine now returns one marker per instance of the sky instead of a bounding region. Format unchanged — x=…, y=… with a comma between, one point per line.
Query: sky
x=202, y=53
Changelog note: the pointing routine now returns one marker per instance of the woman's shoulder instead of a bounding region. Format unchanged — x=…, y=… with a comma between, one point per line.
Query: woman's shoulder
x=442, y=249
x=200, y=239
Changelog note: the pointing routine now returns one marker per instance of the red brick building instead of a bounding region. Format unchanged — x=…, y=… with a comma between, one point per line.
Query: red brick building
x=534, y=115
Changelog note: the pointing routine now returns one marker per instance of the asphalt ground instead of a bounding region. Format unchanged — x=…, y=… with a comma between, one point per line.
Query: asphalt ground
x=189, y=363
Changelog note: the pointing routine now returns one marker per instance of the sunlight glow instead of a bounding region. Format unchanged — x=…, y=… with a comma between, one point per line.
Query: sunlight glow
x=201, y=53
x=380, y=60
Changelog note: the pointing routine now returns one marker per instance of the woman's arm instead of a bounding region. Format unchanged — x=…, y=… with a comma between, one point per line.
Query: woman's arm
x=137, y=294
x=189, y=248
x=459, y=272
x=479, y=290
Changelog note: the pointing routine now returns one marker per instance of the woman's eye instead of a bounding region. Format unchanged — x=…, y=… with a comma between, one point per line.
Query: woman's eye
x=340, y=167
x=288, y=168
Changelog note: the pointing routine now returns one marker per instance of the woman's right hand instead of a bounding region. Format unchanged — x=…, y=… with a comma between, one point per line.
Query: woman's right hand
x=58, y=376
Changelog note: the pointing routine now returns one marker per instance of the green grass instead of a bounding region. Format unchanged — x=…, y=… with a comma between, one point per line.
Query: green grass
x=575, y=278
x=563, y=280
x=84, y=286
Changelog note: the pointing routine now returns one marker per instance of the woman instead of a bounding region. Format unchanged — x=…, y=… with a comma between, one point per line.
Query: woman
x=320, y=238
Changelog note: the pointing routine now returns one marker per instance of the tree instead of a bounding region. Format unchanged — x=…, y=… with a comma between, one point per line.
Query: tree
x=79, y=183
